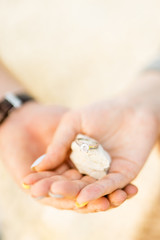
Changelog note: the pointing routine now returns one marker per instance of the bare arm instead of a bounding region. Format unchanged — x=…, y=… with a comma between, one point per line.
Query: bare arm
x=145, y=92
x=127, y=127
x=7, y=82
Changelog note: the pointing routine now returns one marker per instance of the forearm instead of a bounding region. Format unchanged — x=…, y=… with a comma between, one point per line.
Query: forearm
x=145, y=92
x=7, y=82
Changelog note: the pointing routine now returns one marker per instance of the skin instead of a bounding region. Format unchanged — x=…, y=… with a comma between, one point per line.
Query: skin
x=25, y=135
x=41, y=184
x=29, y=139
x=128, y=132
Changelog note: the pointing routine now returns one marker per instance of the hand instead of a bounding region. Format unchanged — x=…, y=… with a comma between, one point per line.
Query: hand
x=25, y=134
x=42, y=187
x=127, y=132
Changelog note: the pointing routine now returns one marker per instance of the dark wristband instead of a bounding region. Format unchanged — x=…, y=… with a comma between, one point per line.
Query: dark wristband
x=11, y=102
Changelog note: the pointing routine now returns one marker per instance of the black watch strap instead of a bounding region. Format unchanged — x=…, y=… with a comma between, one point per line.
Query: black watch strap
x=12, y=101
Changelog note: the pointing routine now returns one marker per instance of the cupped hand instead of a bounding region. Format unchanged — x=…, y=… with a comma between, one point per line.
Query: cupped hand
x=24, y=136
x=67, y=182
x=126, y=131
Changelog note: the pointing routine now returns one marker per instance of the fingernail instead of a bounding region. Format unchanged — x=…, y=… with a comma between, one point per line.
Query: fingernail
x=55, y=195
x=25, y=186
x=38, y=161
x=79, y=205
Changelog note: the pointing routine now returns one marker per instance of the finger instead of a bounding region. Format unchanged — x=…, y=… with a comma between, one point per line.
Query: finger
x=72, y=174
x=63, y=204
x=35, y=177
x=121, y=173
x=131, y=190
x=70, y=189
x=98, y=205
x=62, y=168
x=120, y=195
x=117, y=197
x=57, y=151
x=42, y=187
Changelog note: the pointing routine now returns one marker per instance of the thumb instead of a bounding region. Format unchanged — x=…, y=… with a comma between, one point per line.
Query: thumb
x=57, y=151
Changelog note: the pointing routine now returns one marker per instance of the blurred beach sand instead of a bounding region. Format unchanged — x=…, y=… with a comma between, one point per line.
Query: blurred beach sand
x=73, y=53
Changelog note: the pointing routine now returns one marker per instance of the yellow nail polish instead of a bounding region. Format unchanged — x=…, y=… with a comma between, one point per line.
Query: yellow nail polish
x=25, y=186
x=33, y=169
x=37, y=162
x=81, y=205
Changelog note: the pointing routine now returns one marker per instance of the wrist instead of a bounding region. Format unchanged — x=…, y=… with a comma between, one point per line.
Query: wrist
x=20, y=116
x=144, y=94
x=12, y=102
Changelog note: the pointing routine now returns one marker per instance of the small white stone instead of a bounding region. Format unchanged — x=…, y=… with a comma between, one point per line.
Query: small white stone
x=92, y=162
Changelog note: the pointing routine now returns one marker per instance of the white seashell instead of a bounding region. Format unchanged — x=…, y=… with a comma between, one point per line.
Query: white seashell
x=89, y=157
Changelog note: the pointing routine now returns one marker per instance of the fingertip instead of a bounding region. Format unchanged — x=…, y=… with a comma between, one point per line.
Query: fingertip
x=48, y=162
x=41, y=188
x=37, y=176
x=27, y=180
x=101, y=204
x=30, y=179
x=26, y=186
x=89, y=193
x=81, y=205
x=117, y=197
x=37, y=162
x=131, y=190
x=72, y=174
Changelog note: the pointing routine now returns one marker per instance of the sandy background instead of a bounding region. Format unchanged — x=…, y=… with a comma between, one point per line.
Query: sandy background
x=73, y=53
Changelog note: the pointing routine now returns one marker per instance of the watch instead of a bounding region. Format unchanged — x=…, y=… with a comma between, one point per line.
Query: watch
x=12, y=101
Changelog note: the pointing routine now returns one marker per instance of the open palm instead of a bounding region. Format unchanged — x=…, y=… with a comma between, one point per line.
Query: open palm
x=127, y=133
x=25, y=135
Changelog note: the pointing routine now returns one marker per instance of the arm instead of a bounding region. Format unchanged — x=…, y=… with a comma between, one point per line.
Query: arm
x=126, y=126
x=25, y=135
x=7, y=82
x=21, y=137
x=145, y=92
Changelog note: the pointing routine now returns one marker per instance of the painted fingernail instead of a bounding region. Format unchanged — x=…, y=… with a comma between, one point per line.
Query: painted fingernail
x=38, y=161
x=55, y=195
x=81, y=205
x=25, y=186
